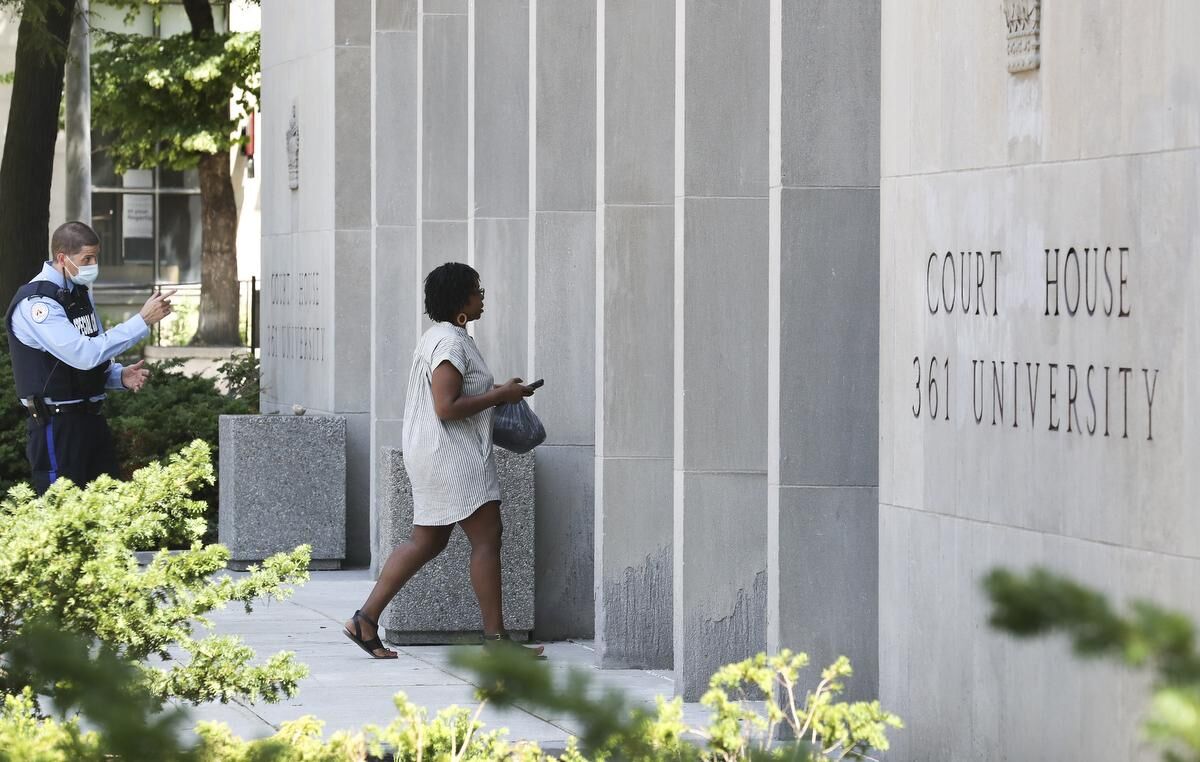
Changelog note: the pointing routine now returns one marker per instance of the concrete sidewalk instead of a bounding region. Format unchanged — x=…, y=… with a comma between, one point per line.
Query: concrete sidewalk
x=347, y=689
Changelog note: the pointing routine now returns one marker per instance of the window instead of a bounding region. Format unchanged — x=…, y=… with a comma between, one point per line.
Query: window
x=149, y=227
x=148, y=220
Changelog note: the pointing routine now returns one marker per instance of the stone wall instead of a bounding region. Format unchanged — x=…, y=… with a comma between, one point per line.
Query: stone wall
x=1038, y=256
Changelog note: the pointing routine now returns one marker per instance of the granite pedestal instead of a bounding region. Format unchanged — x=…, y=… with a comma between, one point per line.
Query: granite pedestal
x=283, y=484
x=438, y=605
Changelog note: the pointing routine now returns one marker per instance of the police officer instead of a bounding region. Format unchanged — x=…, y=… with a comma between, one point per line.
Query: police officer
x=62, y=360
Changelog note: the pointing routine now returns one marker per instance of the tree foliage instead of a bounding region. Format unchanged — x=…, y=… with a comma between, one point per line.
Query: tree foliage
x=39, y=16
x=167, y=102
x=1042, y=603
x=154, y=97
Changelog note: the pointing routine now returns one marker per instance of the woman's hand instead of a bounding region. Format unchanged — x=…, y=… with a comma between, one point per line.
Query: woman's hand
x=514, y=390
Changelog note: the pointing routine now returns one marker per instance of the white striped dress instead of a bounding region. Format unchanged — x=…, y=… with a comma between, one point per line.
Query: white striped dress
x=449, y=463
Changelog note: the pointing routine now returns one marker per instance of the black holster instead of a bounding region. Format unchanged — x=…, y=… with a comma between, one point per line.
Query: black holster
x=39, y=411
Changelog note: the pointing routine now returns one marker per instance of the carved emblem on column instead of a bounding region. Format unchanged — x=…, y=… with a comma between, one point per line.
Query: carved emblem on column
x=1024, y=19
x=293, y=151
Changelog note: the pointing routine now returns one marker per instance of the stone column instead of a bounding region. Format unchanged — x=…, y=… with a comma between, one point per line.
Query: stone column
x=498, y=177
x=316, y=256
x=720, y=380
x=395, y=256
x=823, y=333
x=442, y=108
x=635, y=228
x=562, y=262
x=78, y=94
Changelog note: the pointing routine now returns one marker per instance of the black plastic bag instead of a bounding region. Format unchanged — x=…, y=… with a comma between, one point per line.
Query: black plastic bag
x=515, y=427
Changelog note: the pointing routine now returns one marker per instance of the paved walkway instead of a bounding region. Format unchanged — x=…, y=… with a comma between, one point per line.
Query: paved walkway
x=347, y=689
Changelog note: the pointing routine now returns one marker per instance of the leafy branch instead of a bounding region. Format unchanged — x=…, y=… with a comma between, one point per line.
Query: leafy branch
x=1043, y=603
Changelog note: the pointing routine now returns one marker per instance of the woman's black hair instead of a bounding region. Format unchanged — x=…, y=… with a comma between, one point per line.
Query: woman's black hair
x=448, y=288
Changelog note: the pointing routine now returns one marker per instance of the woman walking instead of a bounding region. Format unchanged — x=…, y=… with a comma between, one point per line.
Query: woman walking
x=448, y=456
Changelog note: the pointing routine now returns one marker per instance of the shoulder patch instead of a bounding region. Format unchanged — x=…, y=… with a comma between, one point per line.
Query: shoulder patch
x=38, y=312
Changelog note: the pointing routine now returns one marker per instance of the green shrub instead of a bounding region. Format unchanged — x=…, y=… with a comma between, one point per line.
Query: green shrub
x=171, y=410
x=67, y=557
x=27, y=737
x=738, y=731
x=180, y=326
x=80, y=623
x=95, y=682
x=452, y=734
x=14, y=467
x=242, y=375
x=825, y=729
x=1042, y=603
x=611, y=731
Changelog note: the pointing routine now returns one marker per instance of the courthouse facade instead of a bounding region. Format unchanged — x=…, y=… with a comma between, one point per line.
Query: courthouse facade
x=773, y=259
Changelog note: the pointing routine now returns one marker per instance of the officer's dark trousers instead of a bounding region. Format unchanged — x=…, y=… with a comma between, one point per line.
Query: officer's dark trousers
x=75, y=446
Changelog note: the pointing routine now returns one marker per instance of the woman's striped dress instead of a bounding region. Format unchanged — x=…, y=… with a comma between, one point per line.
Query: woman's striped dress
x=449, y=463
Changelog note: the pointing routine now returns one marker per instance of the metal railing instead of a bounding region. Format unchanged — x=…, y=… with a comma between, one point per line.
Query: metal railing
x=178, y=328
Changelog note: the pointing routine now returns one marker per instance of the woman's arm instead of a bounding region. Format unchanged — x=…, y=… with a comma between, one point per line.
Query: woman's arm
x=450, y=404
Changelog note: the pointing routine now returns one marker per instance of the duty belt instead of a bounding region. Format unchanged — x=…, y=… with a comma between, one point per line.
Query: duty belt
x=41, y=411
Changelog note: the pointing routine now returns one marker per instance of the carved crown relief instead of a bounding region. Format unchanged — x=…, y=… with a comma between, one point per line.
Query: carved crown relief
x=1024, y=19
x=293, y=151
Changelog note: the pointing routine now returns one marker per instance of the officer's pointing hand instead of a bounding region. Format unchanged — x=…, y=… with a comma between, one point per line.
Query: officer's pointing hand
x=157, y=307
x=134, y=376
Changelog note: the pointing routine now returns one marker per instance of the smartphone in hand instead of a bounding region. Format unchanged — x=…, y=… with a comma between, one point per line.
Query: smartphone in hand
x=536, y=384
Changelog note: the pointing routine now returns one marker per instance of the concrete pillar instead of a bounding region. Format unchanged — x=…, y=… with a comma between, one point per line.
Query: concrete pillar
x=442, y=144
x=351, y=262
x=395, y=255
x=822, y=473
x=78, y=93
x=720, y=380
x=562, y=249
x=635, y=228
x=316, y=255
x=498, y=177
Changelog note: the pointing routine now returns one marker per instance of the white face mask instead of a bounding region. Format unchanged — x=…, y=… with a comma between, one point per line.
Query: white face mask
x=85, y=275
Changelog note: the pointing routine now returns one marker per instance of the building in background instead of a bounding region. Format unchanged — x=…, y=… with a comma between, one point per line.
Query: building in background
x=148, y=220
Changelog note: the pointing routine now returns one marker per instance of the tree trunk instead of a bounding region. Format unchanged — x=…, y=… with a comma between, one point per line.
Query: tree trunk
x=218, y=264
x=28, y=164
x=219, y=300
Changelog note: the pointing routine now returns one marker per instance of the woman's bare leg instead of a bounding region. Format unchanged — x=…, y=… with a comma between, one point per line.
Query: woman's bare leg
x=484, y=529
x=405, y=561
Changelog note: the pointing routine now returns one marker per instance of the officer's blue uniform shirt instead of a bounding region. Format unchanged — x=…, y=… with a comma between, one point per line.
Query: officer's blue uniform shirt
x=42, y=323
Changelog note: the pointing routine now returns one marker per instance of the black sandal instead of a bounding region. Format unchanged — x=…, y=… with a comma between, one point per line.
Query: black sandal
x=502, y=640
x=372, y=645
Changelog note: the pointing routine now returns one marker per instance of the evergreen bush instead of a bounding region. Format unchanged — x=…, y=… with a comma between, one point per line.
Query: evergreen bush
x=68, y=558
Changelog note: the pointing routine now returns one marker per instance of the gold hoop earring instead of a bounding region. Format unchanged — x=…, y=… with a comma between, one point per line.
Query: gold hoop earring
x=461, y=320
